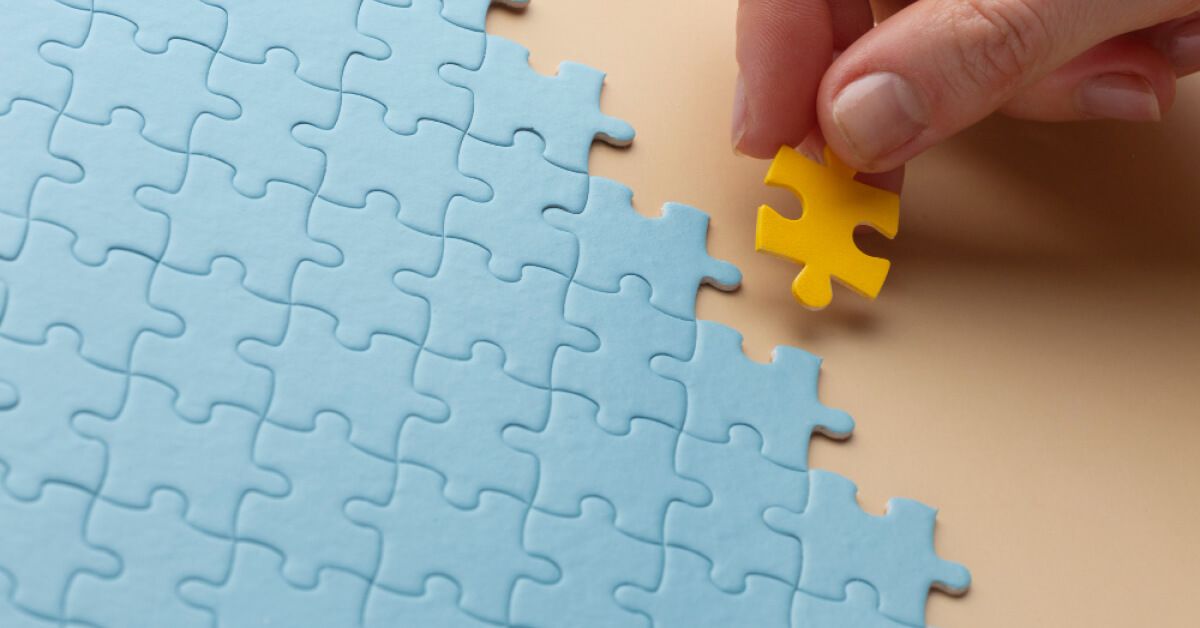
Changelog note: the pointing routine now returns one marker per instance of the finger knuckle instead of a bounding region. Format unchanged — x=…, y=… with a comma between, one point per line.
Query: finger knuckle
x=998, y=41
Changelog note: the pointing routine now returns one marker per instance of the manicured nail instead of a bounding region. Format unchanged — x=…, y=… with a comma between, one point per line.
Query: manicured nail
x=1119, y=97
x=1183, y=48
x=878, y=113
x=739, y=113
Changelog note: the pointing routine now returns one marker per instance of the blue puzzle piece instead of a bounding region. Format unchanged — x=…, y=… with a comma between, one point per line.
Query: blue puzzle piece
x=254, y=594
x=617, y=376
x=25, y=152
x=466, y=448
x=151, y=447
x=668, y=252
x=525, y=317
x=779, y=400
x=859, y=609
x=639, y=477
x=105, y=304
x=437, y=605
x=686, y=598
x=893, y=553
x=510, y=225
x=109, y=71
x=210, y=219
x=594, y=558
x=259, y=142
x=51, y=383
x=564, y=109
x=26, y=74
x=309, y=368
x=99, y=208
x=480, y=549
x=202, y=364
x=730, y=531
x=42, y=546
x=469, y=13
x=307, y=524
x=420, y=170
x=13, y=617
x=163, y=20
x=407, y=81
x=157, y=550
x=359, y=291
x=321, y=33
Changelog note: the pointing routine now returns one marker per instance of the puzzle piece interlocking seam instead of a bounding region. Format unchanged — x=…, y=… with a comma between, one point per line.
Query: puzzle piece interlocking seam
x=26, y=76
x=526, y=315
x=110, y=71
x=272, y=101
x=25, y=131
x=669, y=252
x=106, y=304
x=322, y=35
x=480, y=546
x=407, y=81
x=822, y=239
x=51, y=382
x=158, y=549
x=564, y=109
x=100, y=208
x=467, y=447
x=845, y=543
x=525, y=184
x=358, y=292
x=311, y=315
x=778, y=400
x=362, y=155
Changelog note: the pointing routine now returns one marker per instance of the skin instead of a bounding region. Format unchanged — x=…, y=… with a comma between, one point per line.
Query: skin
x=956, y=61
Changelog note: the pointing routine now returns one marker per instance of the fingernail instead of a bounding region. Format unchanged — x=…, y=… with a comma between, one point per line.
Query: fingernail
x=1183, y=49
x=1119, y=97
x=739, y=113
x=878, y=113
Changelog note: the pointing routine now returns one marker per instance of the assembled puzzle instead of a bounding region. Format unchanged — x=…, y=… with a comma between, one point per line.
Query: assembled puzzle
x=311, y=315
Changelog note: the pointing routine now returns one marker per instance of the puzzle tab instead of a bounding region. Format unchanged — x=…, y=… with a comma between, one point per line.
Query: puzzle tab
x=822, y=239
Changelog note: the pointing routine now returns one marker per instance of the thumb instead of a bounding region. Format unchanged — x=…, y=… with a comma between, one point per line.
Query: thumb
x=939, y=66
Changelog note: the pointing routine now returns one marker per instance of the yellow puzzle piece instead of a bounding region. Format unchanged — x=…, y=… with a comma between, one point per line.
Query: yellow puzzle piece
x=822, y=239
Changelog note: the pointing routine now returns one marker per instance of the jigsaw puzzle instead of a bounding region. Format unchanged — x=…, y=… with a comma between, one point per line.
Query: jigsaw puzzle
x=822, y=239
x=311, y=315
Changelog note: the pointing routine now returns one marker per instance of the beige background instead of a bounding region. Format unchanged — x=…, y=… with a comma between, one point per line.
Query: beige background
x=1032, y=367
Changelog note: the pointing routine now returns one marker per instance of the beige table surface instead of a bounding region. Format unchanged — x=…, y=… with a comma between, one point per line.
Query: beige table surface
x=1032, y=367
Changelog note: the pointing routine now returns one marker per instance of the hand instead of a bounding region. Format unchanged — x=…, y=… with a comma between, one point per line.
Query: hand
x=882, y=95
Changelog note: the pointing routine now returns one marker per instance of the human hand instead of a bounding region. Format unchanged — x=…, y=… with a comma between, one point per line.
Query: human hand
x=882, y=95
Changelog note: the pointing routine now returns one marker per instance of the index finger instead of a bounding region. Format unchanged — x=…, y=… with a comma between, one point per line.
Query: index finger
x=783, y=49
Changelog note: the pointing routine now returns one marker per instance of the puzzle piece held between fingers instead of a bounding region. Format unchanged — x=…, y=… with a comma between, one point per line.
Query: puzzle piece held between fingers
x=822, y=239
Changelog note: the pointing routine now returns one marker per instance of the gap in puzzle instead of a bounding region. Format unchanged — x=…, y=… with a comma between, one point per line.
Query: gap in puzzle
x=310, y=315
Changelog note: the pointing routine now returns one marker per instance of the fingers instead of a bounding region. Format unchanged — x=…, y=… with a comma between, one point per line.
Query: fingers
x=783, y=50
x=939, y=66
x=850, y=19
x=813, y=147
x=1179, y=40
x=1126, y=78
